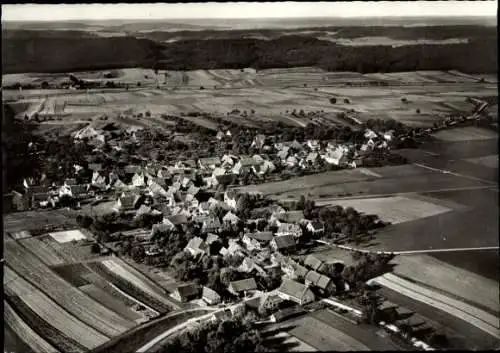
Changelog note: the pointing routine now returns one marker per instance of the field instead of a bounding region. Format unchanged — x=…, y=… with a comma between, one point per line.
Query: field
x=288, y=343
x=35, y=220
x=327, y=187
x=69, y=297
x=30, y=337
x=490, y=161
x=12, y=342
x=461, y=334
x=269, y=92
x=466, y=134
x=395, y=209
x=324, y=337
x=50, y=312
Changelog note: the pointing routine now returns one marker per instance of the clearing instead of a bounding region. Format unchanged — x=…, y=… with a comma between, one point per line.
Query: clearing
x=67, y=236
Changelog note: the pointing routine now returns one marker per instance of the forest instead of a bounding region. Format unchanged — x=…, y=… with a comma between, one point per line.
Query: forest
x=77, y=50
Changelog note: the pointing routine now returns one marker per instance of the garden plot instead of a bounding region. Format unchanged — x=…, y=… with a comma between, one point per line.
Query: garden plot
x=487, y=161
x=51, y=312
x=395, y=209
x=34, y=221
x=65, y=295
x=26, y=333
x=67, y=236
x=467, y=133
x=324, y=337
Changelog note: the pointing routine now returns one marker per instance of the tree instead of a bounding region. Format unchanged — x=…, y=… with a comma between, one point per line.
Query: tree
x=45, y=85
x=138, y=253
x=417, y=111
x=95, y=248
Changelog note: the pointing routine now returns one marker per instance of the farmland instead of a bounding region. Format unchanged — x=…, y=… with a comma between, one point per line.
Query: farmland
x=270, y=93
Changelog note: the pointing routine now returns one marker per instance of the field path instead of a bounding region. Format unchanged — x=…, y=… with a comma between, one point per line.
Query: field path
x=477, y=317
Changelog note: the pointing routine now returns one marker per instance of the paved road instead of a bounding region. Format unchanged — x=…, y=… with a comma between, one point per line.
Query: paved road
x=477, y=317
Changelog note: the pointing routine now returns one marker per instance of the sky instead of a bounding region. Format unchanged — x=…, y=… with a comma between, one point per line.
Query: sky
x=40, y=12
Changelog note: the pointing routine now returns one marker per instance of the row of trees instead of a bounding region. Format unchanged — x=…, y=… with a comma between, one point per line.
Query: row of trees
x=236, y=335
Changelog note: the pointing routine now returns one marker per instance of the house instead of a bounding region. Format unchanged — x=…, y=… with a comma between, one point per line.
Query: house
x=388, y=135
x=283, y=243
x=300, y=272
x=292, y=161
x=233, y=249
x=204, y=208
x=230, y=198
x=196, y=246
x=187, y=183
x=262, y=237
x=296, y=146
x=370, y=134
x=286, y=314
x=242, y=287
x=266, y=167
x=230, y=218
x=211, y=238
x=313, y=144
x=217, y=172
x=128, y=203
x=211, y=225
x=312, y=277
x=98, y=180
x=185, y=293
x=314, y=263
x=312, y=158
x=337, y=157
x=193, y=190
x=259, y=141
x=178, y=219
x=165, y=226
x=220, y=135
x=258, y=159
x=250, y=243
x=248, y=265
x=156, y=190
x=271, y=302
x=326, y=284
x=96, y=167
x=283, y=153
x=228, y=160
x=289, y=229
x=80, y=191
x=209, y=163
x=315, y=227
x=245, y=165
x=119, y=185
x=87, y=132
x=295, y=217
x=296, y=292
x=210, y=296
x=138, y=180
x=20, y=202
x=132, y=169
x=143, y=210
x=70, y=181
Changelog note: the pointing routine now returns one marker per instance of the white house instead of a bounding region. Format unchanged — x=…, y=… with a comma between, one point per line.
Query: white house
x=230, y=218
x=230, y=198
x=289, y=229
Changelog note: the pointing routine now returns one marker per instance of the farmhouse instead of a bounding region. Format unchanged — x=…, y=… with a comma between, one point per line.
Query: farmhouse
x=211, y=225
x=210, y=296
x=245, y=165
x=259, y=141
x=185, y=292
x=128, y=203
x=211, y=238
x=138, y=180
x=286, y=314
x=242, y=287
x=230, y=197
x=296, y=292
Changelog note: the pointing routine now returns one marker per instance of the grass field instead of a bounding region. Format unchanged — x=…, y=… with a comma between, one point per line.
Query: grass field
x=69, y=297
x=35, y=220
x=44, y=248
x=395, y=209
